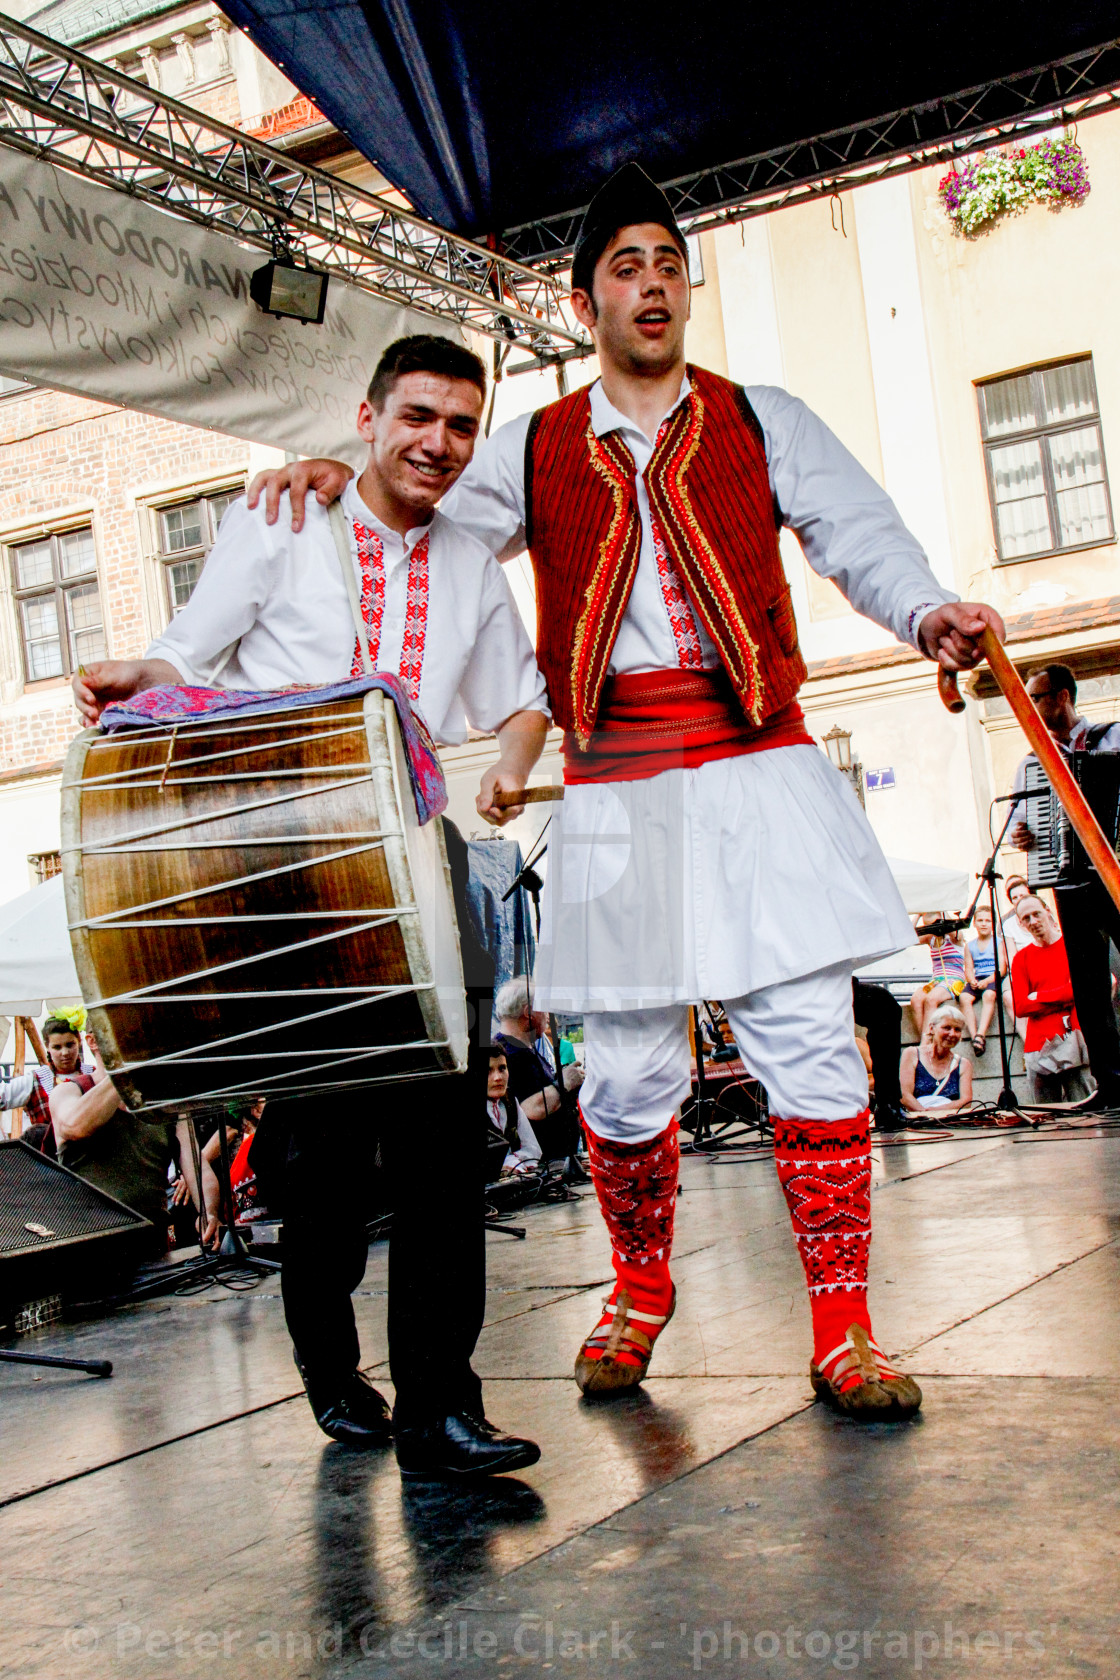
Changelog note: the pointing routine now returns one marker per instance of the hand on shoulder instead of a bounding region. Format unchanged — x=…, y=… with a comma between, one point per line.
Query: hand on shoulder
x=327, y=478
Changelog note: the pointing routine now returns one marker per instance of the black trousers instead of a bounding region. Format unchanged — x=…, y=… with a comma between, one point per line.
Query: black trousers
x=558, y=1133
x=431, y=1134
x=1089, y=920
x=875, y=1008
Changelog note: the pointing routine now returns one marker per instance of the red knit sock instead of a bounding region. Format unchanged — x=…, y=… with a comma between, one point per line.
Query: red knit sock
x=636, y=1184
x=825, y=1170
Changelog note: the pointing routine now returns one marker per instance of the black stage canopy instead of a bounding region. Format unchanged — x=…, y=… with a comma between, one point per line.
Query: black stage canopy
x=503, y=119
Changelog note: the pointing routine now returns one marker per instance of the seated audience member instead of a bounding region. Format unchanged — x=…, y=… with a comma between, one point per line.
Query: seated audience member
x=981, y=958
x=507, y=1118
x=31, y=1091
x=243, y=1181
x=947, y=956
x=243, y=1178
x=935, y=1079
x=122, y=1154
x=543, y=1046
x=1054, y=1050
x=874, y=1009
x=1015, y=938
x=248, y=1203
x=553, y=1117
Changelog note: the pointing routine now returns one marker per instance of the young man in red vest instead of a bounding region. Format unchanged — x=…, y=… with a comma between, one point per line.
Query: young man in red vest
x=706, y=849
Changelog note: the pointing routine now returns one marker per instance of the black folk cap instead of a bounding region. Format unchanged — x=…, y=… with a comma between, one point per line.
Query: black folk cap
x=628, y=198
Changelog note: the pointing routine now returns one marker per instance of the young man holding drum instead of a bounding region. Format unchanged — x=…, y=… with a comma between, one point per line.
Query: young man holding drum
x=272, y=608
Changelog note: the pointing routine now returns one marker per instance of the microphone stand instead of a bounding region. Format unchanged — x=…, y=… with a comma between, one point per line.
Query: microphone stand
x=529, y=881
x=705, y=1107
x=988, y=877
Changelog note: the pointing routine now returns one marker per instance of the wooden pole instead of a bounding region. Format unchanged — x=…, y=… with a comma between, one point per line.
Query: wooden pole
x=17, y=1069
x=35, y=1040
x=1049, y=755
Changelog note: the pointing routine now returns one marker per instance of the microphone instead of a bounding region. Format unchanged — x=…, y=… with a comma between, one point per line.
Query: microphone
x=948, y=924
x=529, y=879
x=1011, y=798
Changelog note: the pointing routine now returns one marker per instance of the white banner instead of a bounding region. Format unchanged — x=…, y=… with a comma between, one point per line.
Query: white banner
x=112, y=299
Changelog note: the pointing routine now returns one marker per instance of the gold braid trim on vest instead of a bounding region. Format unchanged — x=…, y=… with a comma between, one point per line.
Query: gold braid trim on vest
x=608, y=592
x=696, y=560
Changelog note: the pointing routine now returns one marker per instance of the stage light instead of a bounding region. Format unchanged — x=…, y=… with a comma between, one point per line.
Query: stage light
x=297, y=294
x=838, y=745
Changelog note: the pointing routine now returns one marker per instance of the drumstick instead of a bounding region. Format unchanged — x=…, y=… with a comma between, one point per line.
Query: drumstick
x=1045, y=749
x=527, y=796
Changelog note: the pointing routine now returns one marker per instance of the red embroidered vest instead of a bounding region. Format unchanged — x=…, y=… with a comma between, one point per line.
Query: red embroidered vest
x=709, y=487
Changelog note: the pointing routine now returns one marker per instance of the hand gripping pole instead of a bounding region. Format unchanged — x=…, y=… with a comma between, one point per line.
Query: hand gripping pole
x=1043, y=745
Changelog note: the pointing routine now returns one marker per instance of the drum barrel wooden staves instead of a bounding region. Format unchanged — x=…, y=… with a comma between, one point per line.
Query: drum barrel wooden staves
x=255, y=909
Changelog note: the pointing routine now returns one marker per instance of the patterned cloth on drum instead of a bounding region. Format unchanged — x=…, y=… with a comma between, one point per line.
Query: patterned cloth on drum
x=189, y=705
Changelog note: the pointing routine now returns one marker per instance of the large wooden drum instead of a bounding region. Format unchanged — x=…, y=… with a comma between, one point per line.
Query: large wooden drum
x=255, y=909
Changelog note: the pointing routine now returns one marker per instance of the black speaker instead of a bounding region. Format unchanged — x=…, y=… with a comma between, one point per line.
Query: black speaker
x=58, y=1234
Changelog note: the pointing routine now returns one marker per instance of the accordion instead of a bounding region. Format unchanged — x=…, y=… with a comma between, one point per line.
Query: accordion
x=1058, y=858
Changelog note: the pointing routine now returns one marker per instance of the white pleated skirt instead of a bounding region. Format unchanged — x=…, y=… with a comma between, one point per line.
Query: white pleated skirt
x=711, y=883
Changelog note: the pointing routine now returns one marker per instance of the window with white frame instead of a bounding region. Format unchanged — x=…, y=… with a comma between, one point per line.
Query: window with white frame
x=185, y=533
x=58, y=602
x=1045, y=459
x=44, y=865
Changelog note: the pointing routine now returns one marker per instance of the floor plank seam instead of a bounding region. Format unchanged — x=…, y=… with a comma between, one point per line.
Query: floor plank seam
x=153, y=1446
x=1110, y=1242
x=629, y=1505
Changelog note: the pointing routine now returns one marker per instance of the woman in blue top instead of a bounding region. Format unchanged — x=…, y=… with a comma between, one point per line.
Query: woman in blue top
x=934, y=1078
x=980, y=977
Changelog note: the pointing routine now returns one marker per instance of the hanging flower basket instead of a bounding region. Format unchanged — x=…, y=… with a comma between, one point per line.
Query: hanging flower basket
x=1053, y=172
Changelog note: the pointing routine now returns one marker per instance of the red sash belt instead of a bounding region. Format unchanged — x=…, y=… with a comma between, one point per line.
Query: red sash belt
x=650, y=721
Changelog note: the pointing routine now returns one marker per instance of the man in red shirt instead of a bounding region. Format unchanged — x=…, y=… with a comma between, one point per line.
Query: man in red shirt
x=1055, y=1051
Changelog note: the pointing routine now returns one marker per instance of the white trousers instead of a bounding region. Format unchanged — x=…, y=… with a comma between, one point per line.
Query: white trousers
x=797, y=1038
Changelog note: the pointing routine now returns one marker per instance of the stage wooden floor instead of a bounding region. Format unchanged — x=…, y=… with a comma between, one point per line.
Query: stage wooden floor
x=186, y=1517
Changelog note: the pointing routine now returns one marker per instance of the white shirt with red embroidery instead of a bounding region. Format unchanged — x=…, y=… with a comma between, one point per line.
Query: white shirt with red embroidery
x=271, y=608
x=847, y=525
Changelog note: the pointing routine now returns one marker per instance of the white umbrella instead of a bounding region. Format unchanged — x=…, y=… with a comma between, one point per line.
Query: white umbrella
x=928, y=886
x=36, y=963
x=925, y=887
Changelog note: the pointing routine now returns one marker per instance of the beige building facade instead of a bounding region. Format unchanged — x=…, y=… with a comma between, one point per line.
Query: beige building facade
x=978, y=380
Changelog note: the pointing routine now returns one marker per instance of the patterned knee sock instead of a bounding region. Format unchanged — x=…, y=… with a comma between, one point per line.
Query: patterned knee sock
x=825, y=1170
x=636, y=1184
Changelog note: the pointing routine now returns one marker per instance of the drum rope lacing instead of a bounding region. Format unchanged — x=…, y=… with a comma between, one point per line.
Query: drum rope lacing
x=155, y=778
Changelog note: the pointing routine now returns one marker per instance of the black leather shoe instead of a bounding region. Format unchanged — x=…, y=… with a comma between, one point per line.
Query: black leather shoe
x=458, y=1446
x=351, y=1412
x=1101, y=1102
x=888, y=1119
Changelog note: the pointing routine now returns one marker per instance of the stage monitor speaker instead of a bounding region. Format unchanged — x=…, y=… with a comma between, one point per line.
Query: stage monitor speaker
x=58, y=1234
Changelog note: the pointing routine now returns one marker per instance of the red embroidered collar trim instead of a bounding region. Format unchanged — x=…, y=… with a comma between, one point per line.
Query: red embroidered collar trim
x=371, y=564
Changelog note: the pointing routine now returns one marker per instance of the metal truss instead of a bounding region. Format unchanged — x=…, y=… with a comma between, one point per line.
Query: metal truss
x=909, y=139
x=69, y=110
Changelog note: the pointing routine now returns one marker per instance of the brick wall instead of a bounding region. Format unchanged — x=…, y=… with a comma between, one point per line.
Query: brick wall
x=60, y=455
